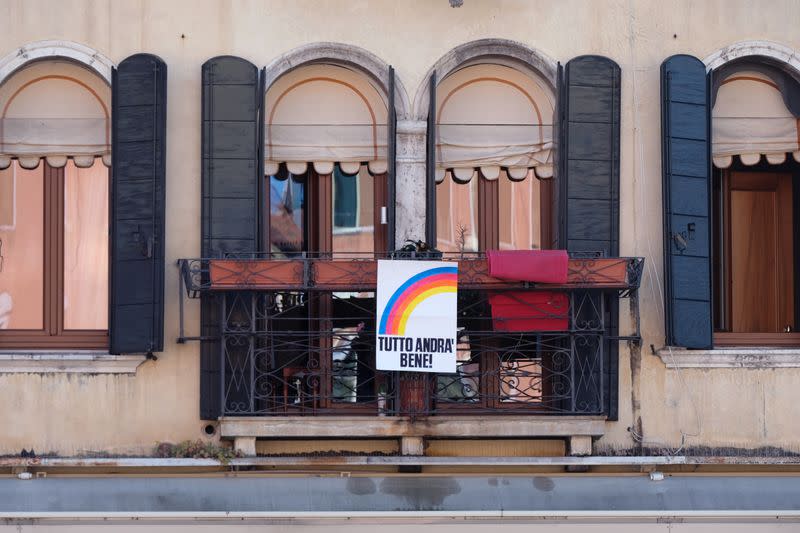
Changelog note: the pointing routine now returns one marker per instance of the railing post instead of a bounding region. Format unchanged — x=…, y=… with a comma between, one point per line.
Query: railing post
x=573, y=388
x=251, y=356
x=413, y=392
x=601, y=341
x=223, y=341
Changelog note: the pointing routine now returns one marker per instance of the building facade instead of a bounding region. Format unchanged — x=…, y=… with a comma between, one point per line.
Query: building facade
x=193, y=194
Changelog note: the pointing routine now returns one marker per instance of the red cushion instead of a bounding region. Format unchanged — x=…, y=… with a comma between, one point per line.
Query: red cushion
x=543, y=266
x=530, y=311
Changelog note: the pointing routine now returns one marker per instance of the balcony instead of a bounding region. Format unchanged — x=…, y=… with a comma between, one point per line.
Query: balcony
x=296, y=337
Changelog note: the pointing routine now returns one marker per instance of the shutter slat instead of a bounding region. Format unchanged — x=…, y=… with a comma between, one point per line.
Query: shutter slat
x=231, y=180
x=686, y=166
x=589, y=91
x=139, y=89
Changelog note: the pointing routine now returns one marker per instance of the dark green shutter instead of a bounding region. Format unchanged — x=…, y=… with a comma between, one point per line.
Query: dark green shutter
x=589, y=213
x=391, y=178
x=686, y=163
x=231, y=184
x=430, y=166
x=556, y=208
x=590, y=147
x=139, y=118
x=231, y=106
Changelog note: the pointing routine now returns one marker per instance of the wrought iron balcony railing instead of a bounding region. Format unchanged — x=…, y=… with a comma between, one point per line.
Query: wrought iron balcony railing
x=297, y=336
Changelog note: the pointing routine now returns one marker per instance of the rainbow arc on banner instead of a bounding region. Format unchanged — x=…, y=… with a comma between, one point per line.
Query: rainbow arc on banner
x=413, y=292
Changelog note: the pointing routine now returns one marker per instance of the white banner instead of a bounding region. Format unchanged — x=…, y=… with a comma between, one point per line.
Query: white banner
x=416, y=316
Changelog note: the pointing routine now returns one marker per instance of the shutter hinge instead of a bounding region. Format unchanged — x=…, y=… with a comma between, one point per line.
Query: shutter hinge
x=145, y=242
x=682, y=238
x=680, y=241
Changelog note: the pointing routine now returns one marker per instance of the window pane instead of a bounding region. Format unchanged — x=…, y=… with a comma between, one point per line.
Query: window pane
x=519, y=213
x=457, y=216
x=353, y=213
x=22, y=248
x=287, y=203
x=86, y=247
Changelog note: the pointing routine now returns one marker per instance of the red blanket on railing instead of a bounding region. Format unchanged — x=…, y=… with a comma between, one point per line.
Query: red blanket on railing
x=543, y=266
x=530, y=311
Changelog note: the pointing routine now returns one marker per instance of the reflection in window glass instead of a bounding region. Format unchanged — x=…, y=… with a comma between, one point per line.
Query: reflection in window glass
x=86, y=246
x=22, y=248
x=287, y=214
x=353, y=213
x=464, y=385
x=521, y=380
x=519, y=213
x=345, y=199
x=457, y=216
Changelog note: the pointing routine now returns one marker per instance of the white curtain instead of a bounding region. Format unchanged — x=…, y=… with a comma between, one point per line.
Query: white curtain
x=57, y=110
x=492, y=116
x=325, y=114
x=750, y=120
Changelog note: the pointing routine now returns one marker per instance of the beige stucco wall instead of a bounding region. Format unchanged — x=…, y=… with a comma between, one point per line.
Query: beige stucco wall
x=71, y=414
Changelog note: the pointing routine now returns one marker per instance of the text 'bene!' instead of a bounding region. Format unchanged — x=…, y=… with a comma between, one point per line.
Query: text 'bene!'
x=415, y=352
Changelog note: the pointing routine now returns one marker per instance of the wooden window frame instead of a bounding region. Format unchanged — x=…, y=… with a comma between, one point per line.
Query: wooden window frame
x=318, y=212
x=53, y=335
x=723, y=338
x=489, y=212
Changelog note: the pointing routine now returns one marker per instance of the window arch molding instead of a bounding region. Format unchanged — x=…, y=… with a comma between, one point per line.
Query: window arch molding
x=775, y=53
x=511, y=52
x=73, y=52
x=50, y=49
x=340, y=54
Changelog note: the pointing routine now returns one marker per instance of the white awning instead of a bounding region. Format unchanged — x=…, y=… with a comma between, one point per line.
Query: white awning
x=492, y=117
x=325, y=114
x=57, y=110
x=750, y=120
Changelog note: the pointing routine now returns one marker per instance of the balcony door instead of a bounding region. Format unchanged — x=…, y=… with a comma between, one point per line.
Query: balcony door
x=323, y=343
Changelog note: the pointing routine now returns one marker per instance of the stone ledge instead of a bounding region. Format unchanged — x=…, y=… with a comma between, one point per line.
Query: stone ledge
x=74, y=361
x=435, y=426
x=733, y=357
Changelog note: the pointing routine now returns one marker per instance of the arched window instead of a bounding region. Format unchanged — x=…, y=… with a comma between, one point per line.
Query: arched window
x=755, y=135
x=55, y=145
x=494, y=137
x=326, y=160
x=325, y=164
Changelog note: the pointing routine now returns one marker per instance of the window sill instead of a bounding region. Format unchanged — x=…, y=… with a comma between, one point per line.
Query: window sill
x=68, y=361
x=731, y=357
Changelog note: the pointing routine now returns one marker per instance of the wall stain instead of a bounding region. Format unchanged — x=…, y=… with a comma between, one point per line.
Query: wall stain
x=635, y=350
x=543, y=483
x=421, y=493
x=361, y=486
